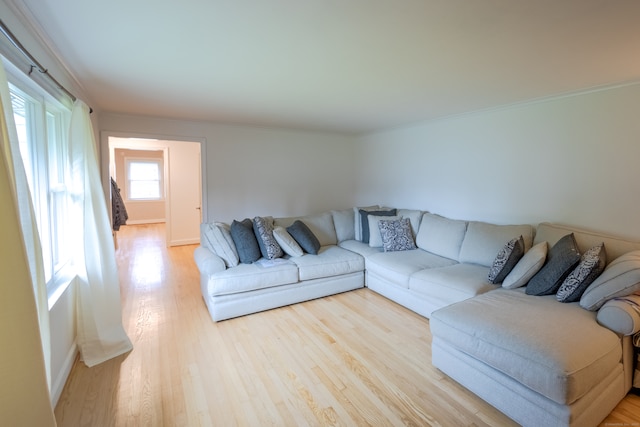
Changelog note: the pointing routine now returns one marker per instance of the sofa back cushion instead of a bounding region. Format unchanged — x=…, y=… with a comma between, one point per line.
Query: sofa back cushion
x=321, y=225
x=441, y=236
x=483, y=241
x=414, y=216
x=551, y=233
x=344, y=222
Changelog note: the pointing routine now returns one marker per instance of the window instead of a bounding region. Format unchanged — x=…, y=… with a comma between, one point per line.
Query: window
x=41, y=125
x=144, y=179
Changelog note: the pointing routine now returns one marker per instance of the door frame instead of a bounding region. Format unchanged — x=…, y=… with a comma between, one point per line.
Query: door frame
x=152, y=142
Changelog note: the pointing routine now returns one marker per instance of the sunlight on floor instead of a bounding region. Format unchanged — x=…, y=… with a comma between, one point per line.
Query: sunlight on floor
x=147, y=267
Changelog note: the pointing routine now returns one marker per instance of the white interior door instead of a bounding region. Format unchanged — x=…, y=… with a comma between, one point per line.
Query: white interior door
x=184, y=209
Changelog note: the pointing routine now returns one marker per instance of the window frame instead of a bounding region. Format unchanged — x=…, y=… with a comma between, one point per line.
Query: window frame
x=48, y=121
x=159, y=162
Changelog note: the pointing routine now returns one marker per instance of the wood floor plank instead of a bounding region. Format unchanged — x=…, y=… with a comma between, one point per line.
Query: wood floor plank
x=349, y=359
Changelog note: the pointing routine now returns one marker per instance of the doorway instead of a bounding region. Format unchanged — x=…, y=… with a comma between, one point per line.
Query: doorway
x=173, y=195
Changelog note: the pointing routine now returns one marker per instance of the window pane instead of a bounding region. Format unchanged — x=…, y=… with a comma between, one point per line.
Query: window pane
x=58, y=194
x=26, y=112
x=57, y=152
x=19, y=105
x=144, y=190
x=145, y=180
x=59, y=234
x=144, y=171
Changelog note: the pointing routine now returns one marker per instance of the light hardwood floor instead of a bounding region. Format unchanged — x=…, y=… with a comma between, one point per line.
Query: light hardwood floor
x=349, y=359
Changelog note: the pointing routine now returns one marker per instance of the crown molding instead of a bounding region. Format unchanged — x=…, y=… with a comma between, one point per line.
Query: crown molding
x=40, y=36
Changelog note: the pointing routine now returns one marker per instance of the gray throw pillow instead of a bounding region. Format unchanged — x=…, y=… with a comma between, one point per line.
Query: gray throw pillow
x=506, y=259
x=263, y=229
x=245, y=240
x=591, y=266
x=562, y=258
x=305, y=238
x=364, y=215
x=396, y=235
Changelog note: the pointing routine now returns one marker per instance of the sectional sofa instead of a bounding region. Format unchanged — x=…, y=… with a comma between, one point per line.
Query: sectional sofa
x=538, y=360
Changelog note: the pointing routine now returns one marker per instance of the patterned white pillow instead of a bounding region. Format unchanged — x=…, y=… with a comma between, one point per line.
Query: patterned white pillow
x=506, y=259
x=396, y=234
x=269, y=247
x=375, y=237
x=591, y=265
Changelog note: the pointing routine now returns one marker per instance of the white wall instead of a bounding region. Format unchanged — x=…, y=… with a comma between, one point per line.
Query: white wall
x=257, y=171
x=62, y=325
x=573, y=159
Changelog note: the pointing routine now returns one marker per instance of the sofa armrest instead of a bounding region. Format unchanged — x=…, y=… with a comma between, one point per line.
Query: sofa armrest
x=621, y=315
x=208, y=263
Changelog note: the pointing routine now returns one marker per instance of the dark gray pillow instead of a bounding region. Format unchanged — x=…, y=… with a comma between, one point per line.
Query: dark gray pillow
x=562, y=258
x=591, y=266
x=304, y=237
x=364, y=216
x=506, y=259
x=245, y=240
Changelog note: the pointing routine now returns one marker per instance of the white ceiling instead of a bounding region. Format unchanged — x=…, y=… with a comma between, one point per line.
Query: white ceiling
x=338, y=65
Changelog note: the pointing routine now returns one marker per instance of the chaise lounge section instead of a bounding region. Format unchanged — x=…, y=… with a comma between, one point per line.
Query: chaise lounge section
x=538, y=360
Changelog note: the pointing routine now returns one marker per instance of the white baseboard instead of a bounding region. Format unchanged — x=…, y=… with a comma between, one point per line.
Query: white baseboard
x=57, y=384
x=145, y=221
x=184, y=242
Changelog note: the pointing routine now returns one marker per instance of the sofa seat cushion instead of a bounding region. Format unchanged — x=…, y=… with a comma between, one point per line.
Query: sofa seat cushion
x=359, y=247
x=330, y=261
x=452, y=283
x=555, y=349
x=397, y=267
x=249, y=277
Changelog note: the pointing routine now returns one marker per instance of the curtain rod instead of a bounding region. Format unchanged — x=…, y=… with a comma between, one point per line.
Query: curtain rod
x=34, y=63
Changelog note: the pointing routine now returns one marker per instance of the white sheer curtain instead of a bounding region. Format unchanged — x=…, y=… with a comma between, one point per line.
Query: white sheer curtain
x=101, y=335
x=24, y=322
x=28, y=225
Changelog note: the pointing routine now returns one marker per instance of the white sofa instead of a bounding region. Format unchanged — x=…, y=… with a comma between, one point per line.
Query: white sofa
x=539, y=361
x=249, y=288
x=451, y=262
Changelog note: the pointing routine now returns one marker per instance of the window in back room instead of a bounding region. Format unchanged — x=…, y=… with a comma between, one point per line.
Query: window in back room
x=144, y=179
